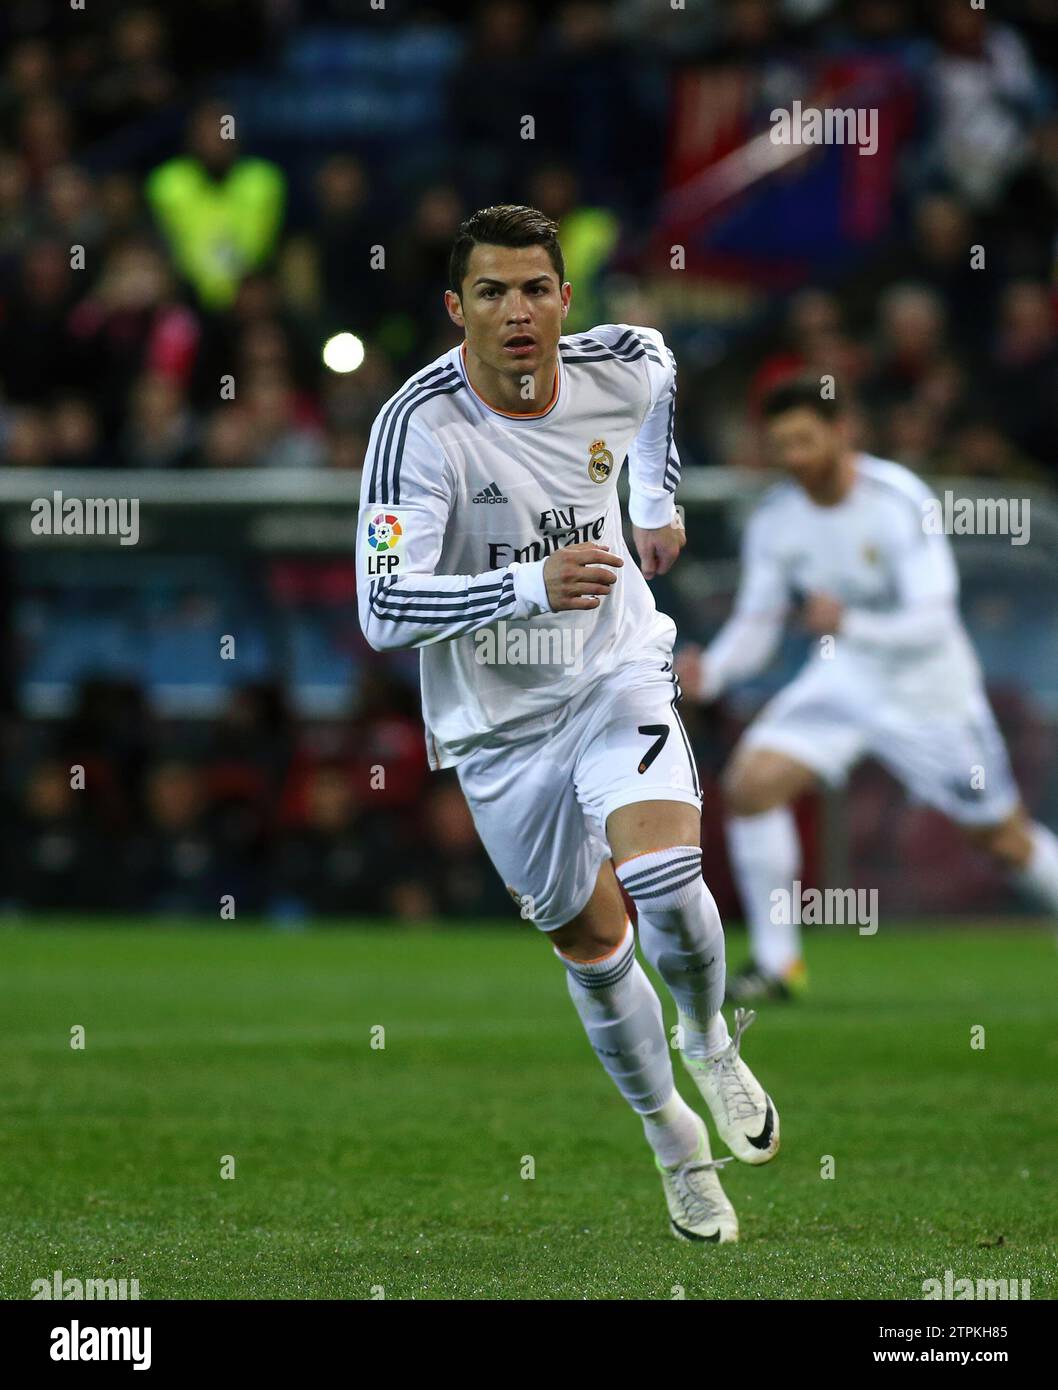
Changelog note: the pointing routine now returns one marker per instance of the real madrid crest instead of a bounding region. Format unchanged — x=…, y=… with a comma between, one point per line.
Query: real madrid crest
x=600, y=465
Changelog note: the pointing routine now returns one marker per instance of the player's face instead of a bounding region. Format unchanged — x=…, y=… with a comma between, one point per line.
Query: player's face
x=805, y=445
x=512, y=306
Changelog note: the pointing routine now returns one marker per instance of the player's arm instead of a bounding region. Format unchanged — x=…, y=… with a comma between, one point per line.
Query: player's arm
x=406, y=500
x=927, y=584
x=746, y=643
x=402, y=601
x=654, y=464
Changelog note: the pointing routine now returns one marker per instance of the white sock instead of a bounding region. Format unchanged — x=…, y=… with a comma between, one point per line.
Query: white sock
x=679, y=927
x=766, y=855
x=672, y=1131
x=1039, y=877
x=621, y=1014
x=702, y=1043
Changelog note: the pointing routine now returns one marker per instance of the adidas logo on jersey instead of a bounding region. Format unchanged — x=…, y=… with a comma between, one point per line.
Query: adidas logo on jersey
x=490, y=494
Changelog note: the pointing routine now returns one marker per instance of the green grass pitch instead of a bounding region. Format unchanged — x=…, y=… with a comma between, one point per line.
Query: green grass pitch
x=401, y=1167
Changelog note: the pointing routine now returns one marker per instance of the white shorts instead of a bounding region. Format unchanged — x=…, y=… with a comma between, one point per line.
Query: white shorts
x=958, y=765
x=540, y=798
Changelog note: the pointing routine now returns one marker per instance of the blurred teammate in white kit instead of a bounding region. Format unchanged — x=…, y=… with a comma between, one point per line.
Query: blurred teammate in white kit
x=894, y=677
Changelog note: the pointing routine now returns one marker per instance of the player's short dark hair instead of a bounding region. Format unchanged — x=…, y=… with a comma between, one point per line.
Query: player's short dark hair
x=505, y=225
x=803, y=392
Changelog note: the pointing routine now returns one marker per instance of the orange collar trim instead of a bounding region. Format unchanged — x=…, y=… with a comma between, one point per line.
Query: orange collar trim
x=510, y=414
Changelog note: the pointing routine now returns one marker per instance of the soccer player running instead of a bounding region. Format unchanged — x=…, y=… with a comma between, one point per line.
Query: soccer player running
x=895, y=676
x=490, y=537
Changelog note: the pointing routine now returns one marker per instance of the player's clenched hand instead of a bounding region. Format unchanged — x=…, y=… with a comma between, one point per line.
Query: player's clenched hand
x=688, y=666
x=574, y=576
x=822, y=614
x=658, y=547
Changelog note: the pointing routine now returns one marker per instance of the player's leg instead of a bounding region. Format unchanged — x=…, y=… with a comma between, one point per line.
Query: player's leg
x=622, y=1016
x=810, y=732
x=759, y=786
x=636, y=777
x=961, y=767
x=656, y=847
x=1028, y=851
x=558, y=868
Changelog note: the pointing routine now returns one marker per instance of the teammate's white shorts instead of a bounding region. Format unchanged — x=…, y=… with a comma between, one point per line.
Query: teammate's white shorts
x=540, y=798
x=957, y=764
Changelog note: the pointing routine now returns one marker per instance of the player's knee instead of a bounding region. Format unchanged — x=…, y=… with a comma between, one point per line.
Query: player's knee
x=664, y=881
x=1010, y=842
x=747, y=789
x=589, y=940
x=600, y=926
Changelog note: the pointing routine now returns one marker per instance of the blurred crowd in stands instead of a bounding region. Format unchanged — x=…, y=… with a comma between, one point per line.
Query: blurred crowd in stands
x=113, y=811
x=145, y=256
x=204, y=256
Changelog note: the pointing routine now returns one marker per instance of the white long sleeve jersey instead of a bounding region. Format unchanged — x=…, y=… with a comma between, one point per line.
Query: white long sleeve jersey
x=901, y=644
x=461, y=504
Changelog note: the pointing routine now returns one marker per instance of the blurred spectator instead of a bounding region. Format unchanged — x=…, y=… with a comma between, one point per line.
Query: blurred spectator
x=36, y=351
x=69, y=211
x=816, y=342
x=979, y=449
x=588, y=236
x=121, y=209
x=940, y=256
x=338, y=860
x=612, y=149
x=379, y=748
x=913, y=362
x=354, y=294
x=880, y=22
x=249, y=750
x=161, y=432
x=174, y=861
x=228, y=438
x=346, y=448
x=28, y=72
x=1023, y=379
x=55, y=860
x=450, y=873
x=987, y=95
x=418, y=277
x=256, y=331
x=385, y=733
x=135, y=79
x=131, y=322
x=108, y=732
x=501, y=78
x=75, y=436
x=221, y=212
x=27, y=441
x=1026, y=221
x=252, y=742
x=15, y=217
x=911, y=434
x=279, y=439
x=351, y=401
x=44, y=136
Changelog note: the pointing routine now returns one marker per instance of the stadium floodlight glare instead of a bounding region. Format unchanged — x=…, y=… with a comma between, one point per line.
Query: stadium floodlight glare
x=343, y=353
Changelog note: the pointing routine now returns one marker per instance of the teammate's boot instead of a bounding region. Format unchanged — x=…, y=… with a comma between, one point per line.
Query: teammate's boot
x=751, y=984
x=698, y=1208
x=742, y=1111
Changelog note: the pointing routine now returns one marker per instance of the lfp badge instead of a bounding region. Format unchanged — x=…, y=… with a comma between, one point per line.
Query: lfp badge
x=384, y=533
